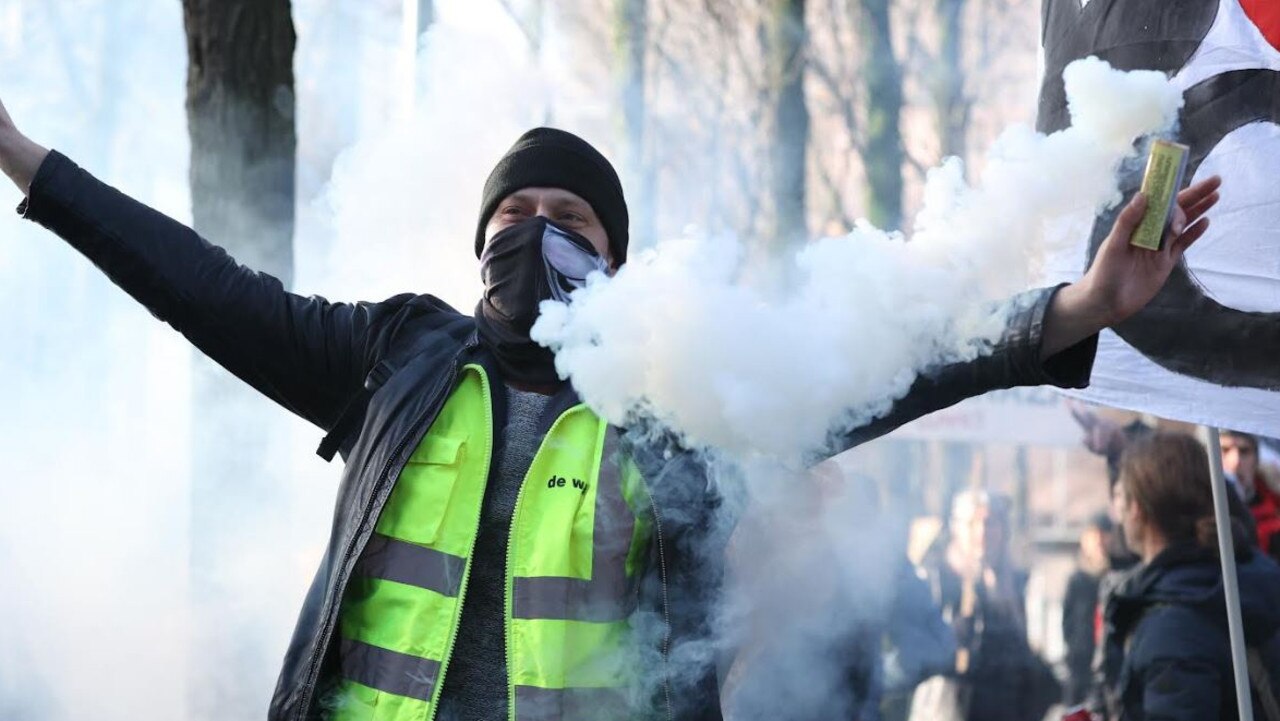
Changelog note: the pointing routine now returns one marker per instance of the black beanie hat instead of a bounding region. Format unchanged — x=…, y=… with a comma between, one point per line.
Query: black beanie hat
x=551, y=158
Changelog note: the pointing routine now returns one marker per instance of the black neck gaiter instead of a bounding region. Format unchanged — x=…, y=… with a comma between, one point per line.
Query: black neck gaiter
x=522, y=266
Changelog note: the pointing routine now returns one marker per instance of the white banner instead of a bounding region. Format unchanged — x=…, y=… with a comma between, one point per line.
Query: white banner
x=1208, y=348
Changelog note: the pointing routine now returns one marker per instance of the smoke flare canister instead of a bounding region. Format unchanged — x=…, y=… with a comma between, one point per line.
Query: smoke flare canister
x=1165, y=167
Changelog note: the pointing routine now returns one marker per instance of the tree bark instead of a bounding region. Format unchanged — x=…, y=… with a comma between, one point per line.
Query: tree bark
x=426, y=15
x=418, y=16
x=786, y=39
x=883, y=154
x=631, y=45
x=950, y=103
x=240, y=113
x=531, y=18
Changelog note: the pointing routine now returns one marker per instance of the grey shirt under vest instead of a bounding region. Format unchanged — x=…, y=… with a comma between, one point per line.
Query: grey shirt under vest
x=475, y=682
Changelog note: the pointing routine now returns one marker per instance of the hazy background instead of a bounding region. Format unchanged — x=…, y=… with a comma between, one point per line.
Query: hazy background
x=394, y=140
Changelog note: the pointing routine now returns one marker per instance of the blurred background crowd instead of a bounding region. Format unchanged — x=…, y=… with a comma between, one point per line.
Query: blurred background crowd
x=1092, y=588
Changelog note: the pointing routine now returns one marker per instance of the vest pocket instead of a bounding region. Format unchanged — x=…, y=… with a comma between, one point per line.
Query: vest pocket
x=420, y=500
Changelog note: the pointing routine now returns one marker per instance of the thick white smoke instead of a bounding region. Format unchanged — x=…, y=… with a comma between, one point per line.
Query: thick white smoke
x=771, y=362
x=760, y=364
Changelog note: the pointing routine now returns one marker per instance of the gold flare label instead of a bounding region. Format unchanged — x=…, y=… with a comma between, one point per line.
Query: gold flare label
x=1161, y=183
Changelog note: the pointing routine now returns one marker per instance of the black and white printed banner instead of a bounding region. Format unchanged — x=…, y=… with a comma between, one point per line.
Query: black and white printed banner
x=1207, y=350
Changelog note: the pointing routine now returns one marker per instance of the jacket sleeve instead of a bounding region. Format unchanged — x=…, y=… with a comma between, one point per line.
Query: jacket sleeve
x=307, y=354
x=1013, y=361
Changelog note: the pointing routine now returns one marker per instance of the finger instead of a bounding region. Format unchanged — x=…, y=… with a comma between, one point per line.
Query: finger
x=1189, y=236
x=1202, y=207
x=1178, y=222
x=1173, y=231
x=1197, y=191
x=1129, y=218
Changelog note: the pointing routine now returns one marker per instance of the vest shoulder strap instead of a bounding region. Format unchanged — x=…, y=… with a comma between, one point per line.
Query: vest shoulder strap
x=343, y=433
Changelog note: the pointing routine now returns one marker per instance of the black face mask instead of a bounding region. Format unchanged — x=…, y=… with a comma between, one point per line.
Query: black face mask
x=522, y=266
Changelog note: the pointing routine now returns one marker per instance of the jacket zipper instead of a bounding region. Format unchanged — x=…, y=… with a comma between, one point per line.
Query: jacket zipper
x=510, y=578
x=666, y=610
x=326, y=630
x=466, y=573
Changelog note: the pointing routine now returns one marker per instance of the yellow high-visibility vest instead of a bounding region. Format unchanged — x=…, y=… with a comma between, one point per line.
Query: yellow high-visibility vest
x=580, y=533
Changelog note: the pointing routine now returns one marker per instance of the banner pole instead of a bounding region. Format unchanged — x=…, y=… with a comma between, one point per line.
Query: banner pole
x=1230, y=582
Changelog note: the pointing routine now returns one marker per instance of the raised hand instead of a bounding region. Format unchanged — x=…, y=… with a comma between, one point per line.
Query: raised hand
x=1124, y=278
x=1102, y=436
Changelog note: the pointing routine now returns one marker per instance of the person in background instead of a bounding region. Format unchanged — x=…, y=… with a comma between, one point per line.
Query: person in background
x=867, y=616
x=1080, y=610
x=996, y=674
x=891, y=655
x=1257, y=488
x=918, y=644
x=1167, y=621
x=1110, y=439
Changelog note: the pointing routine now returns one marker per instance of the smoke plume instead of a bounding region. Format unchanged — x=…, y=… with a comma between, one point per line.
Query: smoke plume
x=757, y=366
x=748, y=360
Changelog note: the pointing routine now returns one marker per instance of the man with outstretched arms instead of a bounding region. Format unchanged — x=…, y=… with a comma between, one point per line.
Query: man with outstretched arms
x=495, y=544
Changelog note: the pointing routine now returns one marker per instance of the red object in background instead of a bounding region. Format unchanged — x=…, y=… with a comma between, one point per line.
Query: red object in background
x=1266, y=15
x=1266, y=515
x=1079, y=713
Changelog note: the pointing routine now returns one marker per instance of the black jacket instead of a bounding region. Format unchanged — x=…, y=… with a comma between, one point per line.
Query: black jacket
x=321, y=360
x=1079, y=614
x=1169, y=621
x=1005, y=680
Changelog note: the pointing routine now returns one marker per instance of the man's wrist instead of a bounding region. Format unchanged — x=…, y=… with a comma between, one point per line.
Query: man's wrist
x=1090, y=307
x=1075, y=313
x=20, y=157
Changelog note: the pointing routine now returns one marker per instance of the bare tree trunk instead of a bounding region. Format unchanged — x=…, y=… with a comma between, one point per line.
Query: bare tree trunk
x=531, y=17
x=240, y=112
x=240, y=109
x=426, y=15
x=949, y=100
x=631, y=45
x=417, y=16
x=340, y=31
x=883, y=154
x=785, y=39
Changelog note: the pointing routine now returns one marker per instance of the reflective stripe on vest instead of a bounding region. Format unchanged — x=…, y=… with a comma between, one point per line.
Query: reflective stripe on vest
x=579, y=535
